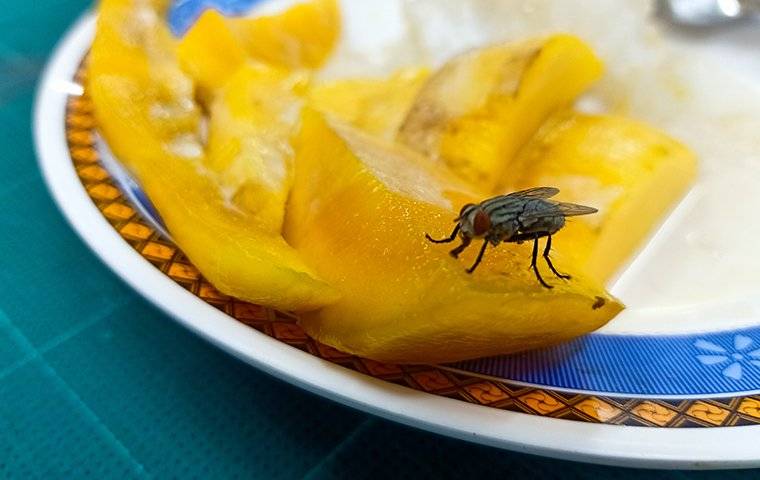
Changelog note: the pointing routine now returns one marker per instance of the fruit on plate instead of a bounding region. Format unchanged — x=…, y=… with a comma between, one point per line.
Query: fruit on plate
x=357, y=214
x=374, y=105
x=475, y=113
x=251, y=121
x=332, y=224
x=630, y=171
x=145, y=110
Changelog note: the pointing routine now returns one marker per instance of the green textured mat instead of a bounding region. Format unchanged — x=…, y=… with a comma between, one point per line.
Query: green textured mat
x=95, y=383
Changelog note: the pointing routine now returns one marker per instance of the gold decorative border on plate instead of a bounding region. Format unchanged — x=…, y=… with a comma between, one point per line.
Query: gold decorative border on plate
x=165, y=256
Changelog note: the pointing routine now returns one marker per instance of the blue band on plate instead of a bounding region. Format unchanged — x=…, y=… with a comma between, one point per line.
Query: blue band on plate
x=703, y=364
x=183, y=13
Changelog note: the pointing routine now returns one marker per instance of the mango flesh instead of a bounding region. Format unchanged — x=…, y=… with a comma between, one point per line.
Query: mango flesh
x=631, y=172
x=481, y=107
x=377, y=106
x=253, y=105
x=145, y=110
x=303, y=36
x=358, y=214
x=251, y=120
x=209, y=52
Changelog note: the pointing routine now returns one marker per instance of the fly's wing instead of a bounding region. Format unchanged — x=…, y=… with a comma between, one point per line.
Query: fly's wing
x=538, y=192
x=573, y=210
x=554, y=209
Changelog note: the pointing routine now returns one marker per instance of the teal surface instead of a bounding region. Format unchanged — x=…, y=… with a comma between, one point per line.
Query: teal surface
x=96, y=383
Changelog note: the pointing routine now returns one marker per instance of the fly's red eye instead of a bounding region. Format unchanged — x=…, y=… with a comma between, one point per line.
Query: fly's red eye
x=481, y=223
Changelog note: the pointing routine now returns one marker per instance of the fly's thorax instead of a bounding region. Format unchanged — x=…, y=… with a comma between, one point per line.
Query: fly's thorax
x=504, y=229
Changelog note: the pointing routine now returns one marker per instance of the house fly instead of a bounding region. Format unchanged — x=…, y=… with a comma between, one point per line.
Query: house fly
x=514, y=218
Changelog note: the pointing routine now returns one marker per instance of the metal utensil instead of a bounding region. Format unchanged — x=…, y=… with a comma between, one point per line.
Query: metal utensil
x=707, y=13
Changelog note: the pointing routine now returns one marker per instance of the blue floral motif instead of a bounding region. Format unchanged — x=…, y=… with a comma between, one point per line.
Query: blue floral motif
x=739, y=357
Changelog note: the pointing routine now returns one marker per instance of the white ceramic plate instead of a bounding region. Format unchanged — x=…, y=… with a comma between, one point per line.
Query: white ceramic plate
x=675, y=373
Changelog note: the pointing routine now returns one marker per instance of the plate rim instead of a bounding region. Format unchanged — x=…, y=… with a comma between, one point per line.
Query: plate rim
x=647, y=447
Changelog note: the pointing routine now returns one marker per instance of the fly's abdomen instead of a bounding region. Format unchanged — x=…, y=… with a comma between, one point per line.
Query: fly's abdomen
x=540, y=216
x=546, y=225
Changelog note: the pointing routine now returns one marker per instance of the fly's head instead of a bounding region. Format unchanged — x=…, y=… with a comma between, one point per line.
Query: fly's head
x=474, y=222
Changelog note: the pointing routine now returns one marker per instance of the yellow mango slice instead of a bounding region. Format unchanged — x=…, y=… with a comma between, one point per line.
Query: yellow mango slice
x=145, y=110
x=375, y=105
x=209, y=52
x=631, y=172
x=358, y=213
x=303, y=36
x=251, y=122
x=132, y=48
x=475, y=113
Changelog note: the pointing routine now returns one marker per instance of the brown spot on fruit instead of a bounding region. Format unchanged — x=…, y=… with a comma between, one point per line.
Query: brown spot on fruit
x=599, y=303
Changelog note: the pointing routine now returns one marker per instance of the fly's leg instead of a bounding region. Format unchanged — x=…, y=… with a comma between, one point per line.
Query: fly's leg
x=549, y=261
x=534, y=266
x=450, y=239
x=465, y=243
x=480, y=257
